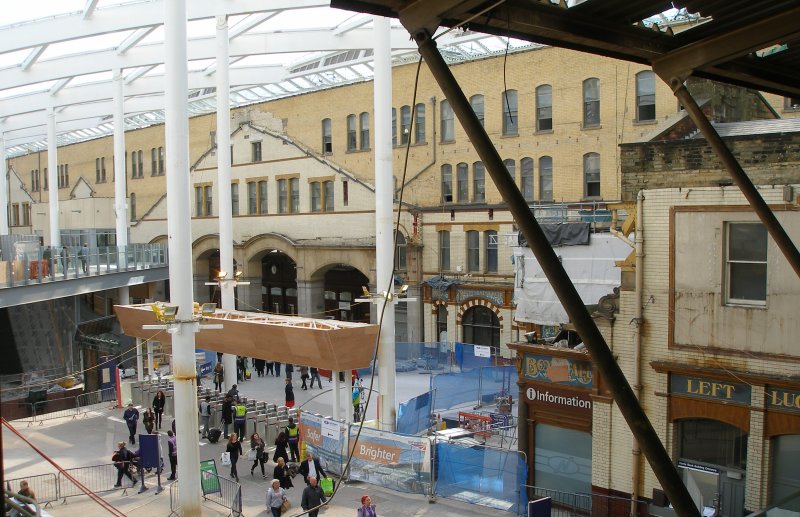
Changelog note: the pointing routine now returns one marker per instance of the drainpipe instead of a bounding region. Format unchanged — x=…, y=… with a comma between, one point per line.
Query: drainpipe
x=636, y=460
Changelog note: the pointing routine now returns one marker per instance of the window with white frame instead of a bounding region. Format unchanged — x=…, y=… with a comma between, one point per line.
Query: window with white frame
x=462, y=182
x=645, y=96
x=478, y=183
x=405, y=124
x=448, y=122
x=473, y=251
x=447, y=183
x=476, y=102
x=510, y=113
x=234, y=199
x=351, y=133
x=262, y=197
x=526, y=178
x=419, y=124
x=400, y=252
x=746, y=263
x=294, y=195
x=591, y=175
x=255, y=148
x=444, y=250
x=544, y=108
x=283, y=196
x=546, y=178
x=591, y=102
x=327, y=137
x=491, y=251
x=363, y=120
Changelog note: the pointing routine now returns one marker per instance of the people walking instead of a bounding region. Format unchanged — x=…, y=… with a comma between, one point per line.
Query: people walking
x=218, y=377
x=277, y=369
x=315, y=375
x=313, y=496
x=293, y=436
x=64, y=260
x=289, y=371
x=270, y=368
x=281, y=473
x=304, y=376
x=131, y=417
x=281, y=443
x=172, y=443
x=367, y=509
x=122, y=461
x=311, y=468
x=234, y=448
x=275, y=497
x=239, y=418
x=257, y=444
x=227, y=415
x=158, y=407
x=205, y=414
x=83, y=254
x=149, y=420
x=289, y=394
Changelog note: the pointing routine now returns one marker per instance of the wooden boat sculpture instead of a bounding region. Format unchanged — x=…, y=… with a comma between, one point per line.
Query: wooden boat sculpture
x=329, y=344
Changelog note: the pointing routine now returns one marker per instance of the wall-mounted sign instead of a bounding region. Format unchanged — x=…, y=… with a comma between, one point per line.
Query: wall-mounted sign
x=783, y=399
x=710, y=389
x=557, y=370
x=697, y=466
x=482, y=351
x=559, y=398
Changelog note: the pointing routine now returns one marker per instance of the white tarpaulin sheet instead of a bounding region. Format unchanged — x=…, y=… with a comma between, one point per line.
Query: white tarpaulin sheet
x=591, y=268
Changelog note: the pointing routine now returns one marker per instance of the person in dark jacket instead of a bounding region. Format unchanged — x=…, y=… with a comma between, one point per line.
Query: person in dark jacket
x=257, y=444
x=131, y=417
x=149, y=420
x=293, y=435
x=315, y=375
x=234, y=447
x=227, y=415
x=158, y=407
x=289, y=394
x=311, y=468
x=313, y=496
x=281, y=443
x=289, y=371
x=122, y=461
x=172, y=443
x=304, y=376
x=277, y=366
x=281, y=473
x=219, y=376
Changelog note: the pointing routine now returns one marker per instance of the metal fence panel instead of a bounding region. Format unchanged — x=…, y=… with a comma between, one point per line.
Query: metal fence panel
x=96, y=400
x=19, y=412
x=97, y=478
x=482, y=475
x=391, y=460
x=45, y=486
x=229, y=495
x=57, y=408
x=564, y=504
x=327, y=438
x=414, y=416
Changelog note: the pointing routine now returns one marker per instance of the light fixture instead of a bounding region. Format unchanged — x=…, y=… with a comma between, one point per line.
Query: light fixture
x=365, y=291
x=221, y=275
x=208, y=309
x=170, y=311
x=237, y=275
x=403, y=289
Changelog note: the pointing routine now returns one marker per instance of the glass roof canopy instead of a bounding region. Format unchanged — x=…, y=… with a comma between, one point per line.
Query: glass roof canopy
x=64, y=60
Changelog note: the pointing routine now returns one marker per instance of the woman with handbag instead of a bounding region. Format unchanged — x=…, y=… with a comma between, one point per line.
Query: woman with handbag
x=277, y=501
x=281, y=443
x=281, y=473
x=234, y=449
x=256, y=453
x=158, y=407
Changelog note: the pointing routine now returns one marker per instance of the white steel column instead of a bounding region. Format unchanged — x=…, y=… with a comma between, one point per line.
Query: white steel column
x=52, y=179
x=337, y=411
x=150, y=375
x=120, y=190
x=226, y=286
x=4, y=199
x=139, y=360
x=384, y=236
x=180, y=254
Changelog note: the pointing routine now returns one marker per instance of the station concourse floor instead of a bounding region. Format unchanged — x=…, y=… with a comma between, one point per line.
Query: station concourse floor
x=90, y=441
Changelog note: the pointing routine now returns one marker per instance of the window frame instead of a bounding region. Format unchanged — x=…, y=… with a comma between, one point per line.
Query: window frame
x=263, y=197
x=478, y=182
x=526, y=179
x=591, y=102
x=444, y=250
x=419, y=123
x=545, y=176
x=492, y=262
x=294, y=195
x=352, y=133
x=646, y=98
x=446, y=182
x=363, y=126
x=477, y=103
x=405, y=124
x=730, y=262
x=327, y=136
x=283, y=196
x=234, y=199
x=255, y=151
x=462, y=183
x=544, y=108
x=472, y=242
x=447, y=121
x=510, y=110
x=592, y=176
x=252, y=198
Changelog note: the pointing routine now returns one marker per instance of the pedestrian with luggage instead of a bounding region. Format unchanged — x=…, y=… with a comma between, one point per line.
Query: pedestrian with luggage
x=257, y=444
x=227, y=414
x=275, y=498
x=205, y=414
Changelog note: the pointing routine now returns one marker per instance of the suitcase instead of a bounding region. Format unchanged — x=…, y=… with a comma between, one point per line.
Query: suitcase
x=213, y=435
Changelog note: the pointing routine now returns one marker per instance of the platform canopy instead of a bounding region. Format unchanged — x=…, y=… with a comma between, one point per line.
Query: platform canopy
x=753, y=43
x=329, y=344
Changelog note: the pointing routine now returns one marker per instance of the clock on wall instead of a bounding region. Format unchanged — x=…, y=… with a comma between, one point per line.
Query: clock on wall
x=273, y=269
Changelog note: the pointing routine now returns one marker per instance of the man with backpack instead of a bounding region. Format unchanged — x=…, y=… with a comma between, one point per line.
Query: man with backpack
x=205, y=414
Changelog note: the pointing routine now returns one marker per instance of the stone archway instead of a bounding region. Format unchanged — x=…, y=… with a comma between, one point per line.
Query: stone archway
x=481, y=323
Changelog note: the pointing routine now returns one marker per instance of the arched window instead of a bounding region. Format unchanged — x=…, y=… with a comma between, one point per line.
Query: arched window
x=478, y=183
x=591, y=175
x=405, y=124
x=419, y=124
x=462, y=182
x=645, y=96
x=447, y=183
x=448, y=122
x=591, y=102
x=510, y=114
x=327, y=138
x=351, y=132
x=544, y=108
x=476, y=101
x=526, y=178
x=400, y=252
x=480, y=326
x=546, y=178
x=364, y=123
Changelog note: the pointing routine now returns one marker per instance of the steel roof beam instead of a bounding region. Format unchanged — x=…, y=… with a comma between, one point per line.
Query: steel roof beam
x=133, y=39
x=31, y=58
x=129, y=16
x=88, y=9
